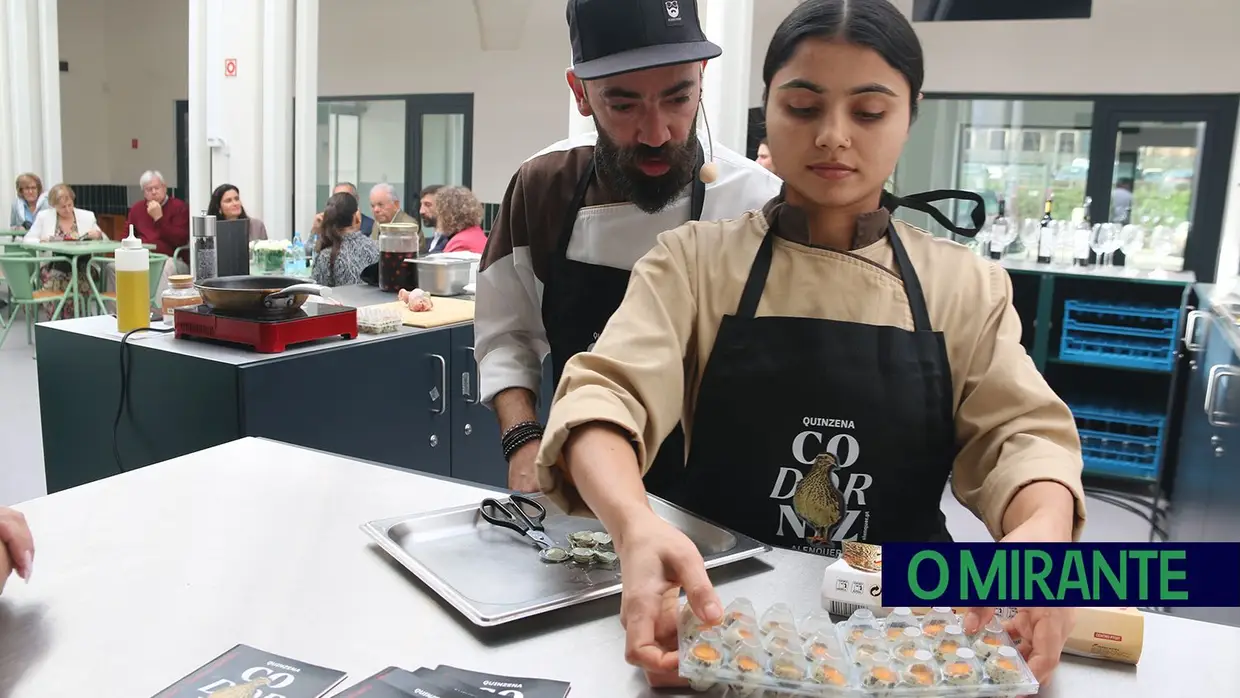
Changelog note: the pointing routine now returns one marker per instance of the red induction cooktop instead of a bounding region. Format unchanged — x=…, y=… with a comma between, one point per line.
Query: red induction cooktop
x=267, y=335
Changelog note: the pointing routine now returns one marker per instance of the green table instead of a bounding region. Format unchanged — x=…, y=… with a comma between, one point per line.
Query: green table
x=75, y=249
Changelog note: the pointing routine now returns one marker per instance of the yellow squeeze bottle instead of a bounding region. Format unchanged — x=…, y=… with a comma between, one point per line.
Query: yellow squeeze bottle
x=133, y=286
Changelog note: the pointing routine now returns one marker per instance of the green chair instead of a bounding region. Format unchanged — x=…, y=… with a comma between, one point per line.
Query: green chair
x=19, y=271
x=156, y=272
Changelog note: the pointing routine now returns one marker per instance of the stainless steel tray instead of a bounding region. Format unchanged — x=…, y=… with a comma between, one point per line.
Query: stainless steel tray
x=493, y=576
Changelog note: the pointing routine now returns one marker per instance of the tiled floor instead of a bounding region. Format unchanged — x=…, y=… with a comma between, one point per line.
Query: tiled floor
x=21, y=455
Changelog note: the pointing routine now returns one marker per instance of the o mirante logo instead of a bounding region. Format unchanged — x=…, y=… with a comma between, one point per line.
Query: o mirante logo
x=1062, y=574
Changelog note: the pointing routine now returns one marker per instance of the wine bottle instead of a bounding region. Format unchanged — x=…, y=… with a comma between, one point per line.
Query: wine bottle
x=1046, y=237
x=999, y=238
x=1081, y=232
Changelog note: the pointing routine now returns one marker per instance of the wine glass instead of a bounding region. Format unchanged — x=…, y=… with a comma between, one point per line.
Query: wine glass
x=1131, y=242
x=1100, y=242
x=1030, y=232
x=1162, y=243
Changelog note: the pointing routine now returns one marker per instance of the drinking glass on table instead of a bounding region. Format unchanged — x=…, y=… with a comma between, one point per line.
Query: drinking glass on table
x=1162, y=243
x=1131, y=242
x=1030, y=232
x=1104, y=241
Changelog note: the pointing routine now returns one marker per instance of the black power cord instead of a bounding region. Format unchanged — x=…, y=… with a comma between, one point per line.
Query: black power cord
x=124, y=398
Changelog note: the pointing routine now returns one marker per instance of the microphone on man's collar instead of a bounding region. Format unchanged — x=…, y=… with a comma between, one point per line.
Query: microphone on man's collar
x=710, y=171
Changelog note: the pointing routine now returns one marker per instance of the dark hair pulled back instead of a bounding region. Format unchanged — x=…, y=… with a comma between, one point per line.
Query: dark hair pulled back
x=337, y=218
x=874, y=24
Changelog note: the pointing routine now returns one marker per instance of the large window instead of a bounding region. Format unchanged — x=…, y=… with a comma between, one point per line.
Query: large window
x=1158, y=162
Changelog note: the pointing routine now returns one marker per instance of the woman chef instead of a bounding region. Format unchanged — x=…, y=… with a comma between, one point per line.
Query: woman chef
x=832, y=366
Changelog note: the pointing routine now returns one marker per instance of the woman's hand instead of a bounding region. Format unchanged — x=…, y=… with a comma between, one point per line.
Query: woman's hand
x=1041, y=632
x=95, y=234
x=658, y=560
x=17, y=553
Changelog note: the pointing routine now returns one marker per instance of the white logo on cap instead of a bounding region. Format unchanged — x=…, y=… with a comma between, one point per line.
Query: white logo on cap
x=673, y=8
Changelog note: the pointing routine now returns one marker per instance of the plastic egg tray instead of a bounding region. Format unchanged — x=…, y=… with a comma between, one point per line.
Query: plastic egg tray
x=901, y=655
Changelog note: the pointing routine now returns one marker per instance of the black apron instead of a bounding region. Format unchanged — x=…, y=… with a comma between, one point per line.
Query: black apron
x=579, y=299
x=779, y=392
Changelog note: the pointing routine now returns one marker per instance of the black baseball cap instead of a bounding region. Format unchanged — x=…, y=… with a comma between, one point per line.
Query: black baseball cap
x=610, y=37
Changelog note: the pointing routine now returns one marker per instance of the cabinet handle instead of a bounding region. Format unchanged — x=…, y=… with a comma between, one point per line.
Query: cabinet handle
x=443, y=385
x=1217, y=374
x=1190, y=329
x=472, y=397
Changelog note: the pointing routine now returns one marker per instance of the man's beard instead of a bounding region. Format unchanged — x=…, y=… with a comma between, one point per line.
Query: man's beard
x=618, y=168
x=429, y=221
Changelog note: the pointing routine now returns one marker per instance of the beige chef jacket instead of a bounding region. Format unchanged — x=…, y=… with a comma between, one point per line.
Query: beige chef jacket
x=644, y=372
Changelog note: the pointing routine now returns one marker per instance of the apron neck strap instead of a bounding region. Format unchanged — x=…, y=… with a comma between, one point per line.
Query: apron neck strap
x=922, y=202
x=761, y=268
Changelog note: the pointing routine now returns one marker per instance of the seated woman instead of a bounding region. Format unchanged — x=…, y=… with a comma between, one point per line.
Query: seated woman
x=458, y=228
x=226, y=205
x=343, y=249
x=31, y=199
x=63, y=222
x=833, y=367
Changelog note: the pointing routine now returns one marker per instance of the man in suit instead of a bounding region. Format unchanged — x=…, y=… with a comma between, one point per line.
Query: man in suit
x=385, y=203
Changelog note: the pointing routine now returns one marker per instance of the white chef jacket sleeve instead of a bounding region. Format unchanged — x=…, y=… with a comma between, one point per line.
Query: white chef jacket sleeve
x=510, y=342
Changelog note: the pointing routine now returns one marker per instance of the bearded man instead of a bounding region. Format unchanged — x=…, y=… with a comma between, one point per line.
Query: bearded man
x=578, y=215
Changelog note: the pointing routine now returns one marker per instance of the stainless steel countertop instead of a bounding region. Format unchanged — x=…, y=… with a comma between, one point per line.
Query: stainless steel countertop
x=1182, y=278
x=104, y=327
x=141, y=578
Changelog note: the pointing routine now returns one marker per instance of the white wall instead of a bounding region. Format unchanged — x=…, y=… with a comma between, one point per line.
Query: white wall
x=434, y=46
x=128, y=64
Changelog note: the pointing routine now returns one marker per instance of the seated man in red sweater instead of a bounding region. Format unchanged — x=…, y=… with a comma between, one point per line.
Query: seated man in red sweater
x=160, y=219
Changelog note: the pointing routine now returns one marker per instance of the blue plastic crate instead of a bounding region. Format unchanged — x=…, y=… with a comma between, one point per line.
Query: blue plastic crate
x=1120, y=443
x=1130, y=336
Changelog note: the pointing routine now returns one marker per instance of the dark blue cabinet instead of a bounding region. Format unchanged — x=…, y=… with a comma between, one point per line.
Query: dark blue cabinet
x=1203, y=507
x=389, y=404
x=475, y=435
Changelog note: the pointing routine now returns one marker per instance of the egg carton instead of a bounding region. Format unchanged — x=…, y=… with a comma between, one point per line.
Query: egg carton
x=904, y=655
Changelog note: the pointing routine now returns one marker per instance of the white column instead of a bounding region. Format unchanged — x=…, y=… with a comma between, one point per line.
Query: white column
x=277, y=161
x=49, y=81
x=199, y=193
x=8, y=161
x=306, y=110
x=22, y=113
x=234, y=101
x=729, y=23
x=577, y=124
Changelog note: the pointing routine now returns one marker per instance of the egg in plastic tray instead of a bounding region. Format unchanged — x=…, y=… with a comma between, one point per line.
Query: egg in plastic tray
x=904, y=655
x=378, y=320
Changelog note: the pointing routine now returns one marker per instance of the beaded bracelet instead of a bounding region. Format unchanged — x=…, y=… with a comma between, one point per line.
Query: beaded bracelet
x=519, y=435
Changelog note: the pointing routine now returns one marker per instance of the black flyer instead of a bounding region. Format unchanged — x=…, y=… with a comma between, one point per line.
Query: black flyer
x=505, y=686
x=394, y=682
x=246, y=672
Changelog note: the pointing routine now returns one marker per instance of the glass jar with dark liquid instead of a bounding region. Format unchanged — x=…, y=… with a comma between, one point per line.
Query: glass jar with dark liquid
x=397, y=242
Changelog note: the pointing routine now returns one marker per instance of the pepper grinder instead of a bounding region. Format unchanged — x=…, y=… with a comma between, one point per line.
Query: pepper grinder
x=202, y=247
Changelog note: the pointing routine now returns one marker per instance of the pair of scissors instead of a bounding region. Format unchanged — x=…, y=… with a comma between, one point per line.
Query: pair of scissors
x=511, y=514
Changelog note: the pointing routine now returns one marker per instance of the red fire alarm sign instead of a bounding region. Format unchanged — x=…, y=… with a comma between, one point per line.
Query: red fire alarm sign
x=230, y=67
x=134, y=144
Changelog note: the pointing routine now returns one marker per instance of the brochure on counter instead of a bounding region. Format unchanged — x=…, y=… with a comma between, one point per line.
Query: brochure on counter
x=451, y=682
x=247, y=672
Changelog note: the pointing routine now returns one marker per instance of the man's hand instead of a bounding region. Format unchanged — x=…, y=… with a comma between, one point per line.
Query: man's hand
x=17, y=553
x=522, y=473
x=155, y=209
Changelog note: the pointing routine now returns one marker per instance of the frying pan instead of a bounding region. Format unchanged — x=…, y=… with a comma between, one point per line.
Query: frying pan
x=256, y=295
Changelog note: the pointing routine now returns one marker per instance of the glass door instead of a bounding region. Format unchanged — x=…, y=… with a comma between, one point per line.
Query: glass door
x=362, y=142
x=1161, y=178
x=441, y=145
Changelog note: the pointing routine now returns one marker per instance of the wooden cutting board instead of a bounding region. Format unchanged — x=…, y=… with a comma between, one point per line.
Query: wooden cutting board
x=447, y=311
